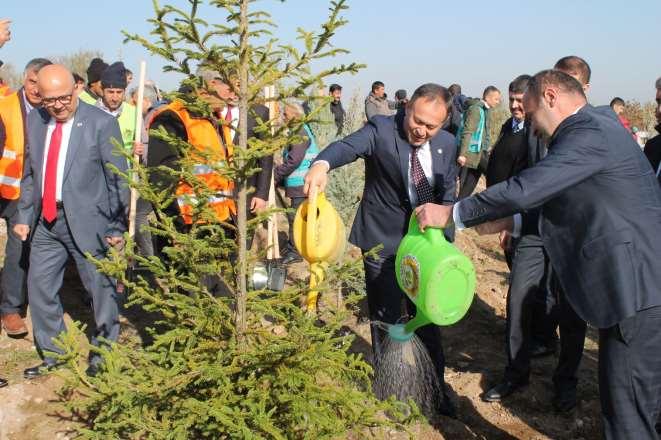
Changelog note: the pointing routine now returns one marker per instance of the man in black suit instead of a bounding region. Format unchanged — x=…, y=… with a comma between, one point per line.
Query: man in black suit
x=599, y=221
x=653, y=146
x=531, y=300
x=409, y=160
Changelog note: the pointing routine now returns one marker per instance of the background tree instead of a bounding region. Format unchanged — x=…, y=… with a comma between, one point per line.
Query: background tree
x=79, y=61
x=227, y=361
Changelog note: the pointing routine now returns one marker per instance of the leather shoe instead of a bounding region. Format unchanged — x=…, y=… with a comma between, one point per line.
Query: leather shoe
x=40, y=370
x=565, y=401
x=539, y=349
x=500, y=391
x=3, y=382
x=292, y=257
x=14, y=325
x=92, y=370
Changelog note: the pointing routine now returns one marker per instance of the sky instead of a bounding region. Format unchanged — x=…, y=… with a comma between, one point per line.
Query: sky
x=403, y=43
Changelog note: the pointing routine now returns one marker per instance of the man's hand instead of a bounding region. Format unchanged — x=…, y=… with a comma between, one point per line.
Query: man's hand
x=22, y=231
x=496, y=226
x=461, y=160
x=116, y=242
x=138, y=148
x=505, y=240
x=5, y=33
x=433, y=215
x=257, y=205
x=317, y=176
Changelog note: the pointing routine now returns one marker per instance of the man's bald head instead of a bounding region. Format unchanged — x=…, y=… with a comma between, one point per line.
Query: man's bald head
x=55, y=75
x=56, y=87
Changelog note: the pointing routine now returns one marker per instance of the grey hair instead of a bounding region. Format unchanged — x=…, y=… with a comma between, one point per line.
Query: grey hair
x=658, y=83
x=207, y=73
x=35, y=65
x=295, y=104
x=150, y=92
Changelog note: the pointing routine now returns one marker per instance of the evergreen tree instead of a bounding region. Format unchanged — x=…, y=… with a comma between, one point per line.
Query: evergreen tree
x=227, y=361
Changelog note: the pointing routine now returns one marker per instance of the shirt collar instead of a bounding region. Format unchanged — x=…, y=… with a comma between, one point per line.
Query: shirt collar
x=28, y=107
x=518, y=124
x=115, y=113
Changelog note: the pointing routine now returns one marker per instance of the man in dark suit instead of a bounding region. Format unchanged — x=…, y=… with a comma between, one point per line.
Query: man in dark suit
x=599, y=221
x=531, y=301
x=72, y=204
x=653, y=146
x=409, y=160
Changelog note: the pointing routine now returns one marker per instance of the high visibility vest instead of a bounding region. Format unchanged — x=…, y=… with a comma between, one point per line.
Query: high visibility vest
x=87, y=98
x=297, y=177
x=126, y=121
x=202, y=135
x=11, y=162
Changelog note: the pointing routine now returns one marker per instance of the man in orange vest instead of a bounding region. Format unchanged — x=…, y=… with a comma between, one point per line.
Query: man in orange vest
x=14, y=110
x=203, y=134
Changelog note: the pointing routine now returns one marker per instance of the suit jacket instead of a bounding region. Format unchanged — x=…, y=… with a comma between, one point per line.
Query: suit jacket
x=385, y=208
x=600, y=216
x=509, y=154
x=653, y=150
x=95, y=199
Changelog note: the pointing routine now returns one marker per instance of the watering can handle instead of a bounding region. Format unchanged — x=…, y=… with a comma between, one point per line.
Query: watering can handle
x=310, y=237
x=434, y=235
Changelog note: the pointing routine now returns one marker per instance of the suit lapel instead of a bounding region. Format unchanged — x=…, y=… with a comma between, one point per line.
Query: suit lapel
x=39, y=149
x=437, y=168
x=404, y=152
x=77, y=128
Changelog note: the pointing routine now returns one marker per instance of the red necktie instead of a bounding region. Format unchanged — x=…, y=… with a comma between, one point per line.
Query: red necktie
x=49, y=208
x=422, y=187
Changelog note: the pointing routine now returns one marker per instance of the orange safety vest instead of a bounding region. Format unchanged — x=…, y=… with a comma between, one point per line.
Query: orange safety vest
x=11, y=162
x=204, y=137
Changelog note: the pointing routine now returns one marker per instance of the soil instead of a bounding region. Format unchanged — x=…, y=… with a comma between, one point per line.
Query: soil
x=474, y=351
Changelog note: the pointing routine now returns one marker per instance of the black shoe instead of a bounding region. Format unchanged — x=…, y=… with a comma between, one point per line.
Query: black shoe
x=446, y=407
x=500, y=391
x=291, y=257
x=3, y=383
x=564, y=401
x=539, y=349
x=40, y=370
x=92, y=370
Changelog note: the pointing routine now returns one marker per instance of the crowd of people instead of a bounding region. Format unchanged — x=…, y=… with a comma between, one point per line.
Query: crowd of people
x=576, y=204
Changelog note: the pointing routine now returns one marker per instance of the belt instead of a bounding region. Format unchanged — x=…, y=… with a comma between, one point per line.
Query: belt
x=59, y=204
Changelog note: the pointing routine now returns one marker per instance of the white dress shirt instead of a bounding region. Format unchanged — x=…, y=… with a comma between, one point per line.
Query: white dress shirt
x=235, y=119
x=424, y=156
x=61, y=159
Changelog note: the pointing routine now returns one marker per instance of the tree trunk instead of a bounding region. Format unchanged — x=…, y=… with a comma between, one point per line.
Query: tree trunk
x=241, y=296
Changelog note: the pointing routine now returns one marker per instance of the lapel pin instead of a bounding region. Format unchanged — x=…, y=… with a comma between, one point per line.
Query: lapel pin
x=79, y=124
x=439, y=151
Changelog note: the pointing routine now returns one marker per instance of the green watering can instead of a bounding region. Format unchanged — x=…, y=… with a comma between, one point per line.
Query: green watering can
x=438, y=278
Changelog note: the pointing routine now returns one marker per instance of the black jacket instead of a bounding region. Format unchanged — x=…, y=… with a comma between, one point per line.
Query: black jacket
x=653, y=150
x=600, y=216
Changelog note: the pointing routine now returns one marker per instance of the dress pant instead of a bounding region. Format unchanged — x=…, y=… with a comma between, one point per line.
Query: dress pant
x=15, y=264
x=468, y=178
x=630, y=376
x=143, y=238
x=530, y=311
x=52, y=245
x=384, y=300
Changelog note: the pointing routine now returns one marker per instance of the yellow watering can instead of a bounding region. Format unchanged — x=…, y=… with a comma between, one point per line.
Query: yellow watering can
x=319, y=236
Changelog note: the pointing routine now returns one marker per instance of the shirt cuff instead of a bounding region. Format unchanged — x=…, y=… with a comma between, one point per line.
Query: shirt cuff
x=325, y=162
x=518, y=222
x=455, y=217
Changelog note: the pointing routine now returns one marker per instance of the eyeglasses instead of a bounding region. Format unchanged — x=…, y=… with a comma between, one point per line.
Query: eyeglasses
x=64, y=100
